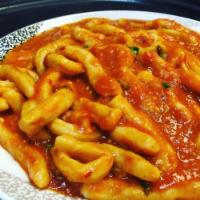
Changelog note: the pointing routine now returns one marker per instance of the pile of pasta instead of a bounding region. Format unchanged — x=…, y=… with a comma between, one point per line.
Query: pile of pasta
x=106, y=109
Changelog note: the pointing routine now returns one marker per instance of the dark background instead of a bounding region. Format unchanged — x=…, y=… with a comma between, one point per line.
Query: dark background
x=15, y=14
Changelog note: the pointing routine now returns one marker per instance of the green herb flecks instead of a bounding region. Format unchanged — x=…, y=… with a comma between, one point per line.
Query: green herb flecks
x=48, y=146
x=165, y=85
x=135, y=50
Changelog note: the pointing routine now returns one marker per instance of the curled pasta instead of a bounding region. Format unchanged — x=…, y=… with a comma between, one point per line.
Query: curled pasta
x=30, y=158
x=7, y=84
x=123, y=190
x=107, y=29
x=190, y=79
x=96, y=25
x=102, y=82
x=188, y=66
x=136, y=139
x=63, y=64
x=160, y=66
x=173, y=99
x=41, y=134
x=13, y=98
x=178, y=105
x=32, y=121
x=133, y=163
x=166, y=158
x=86, y=36
x=49, y=48
x=130, y=113
x=44, y=87
x=68, y=149
x=22, y=80
x=31, y=73
x=106, y=117
x=60, y=127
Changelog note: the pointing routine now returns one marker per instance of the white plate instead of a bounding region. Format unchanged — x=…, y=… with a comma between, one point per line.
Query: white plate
x=14, y=182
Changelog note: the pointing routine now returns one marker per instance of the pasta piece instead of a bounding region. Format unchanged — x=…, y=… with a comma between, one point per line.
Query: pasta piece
x=103, y=115
x=176, y=56
x=42, y=134
x=22, y=80
x=32, y=121
x=96, y=26
x=67, y=149
x=43, y=90
x=160, y=67
x=191, y=103
x=182, y=35
x=49, y=48
x=192, y=62
x=85, y=36
x=63, y=64
x=3, y=104
x=82, y=118
x=130, y=113
x=178, y=105
x=7, y=84
x=31, y=159
x=31, y=73
x=188, y=66
x=136, y=139
x=153, y=59
x=44, y=87
x=109, y=29
x=60, y=127
x=102, y=82
x=133, y=163
x=13, y=98
x=190, y=79
x=127, y=191
x=163, y=23
x=173, y=99
x=146, y=76
x=166, y=159
x=28, y=106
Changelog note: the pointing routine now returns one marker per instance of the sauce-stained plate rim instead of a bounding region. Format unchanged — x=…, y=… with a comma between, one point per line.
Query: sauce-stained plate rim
x=17, y=37
x=14, y=183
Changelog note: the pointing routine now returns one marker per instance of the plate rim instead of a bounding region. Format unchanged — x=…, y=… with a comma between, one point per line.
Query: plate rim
x=22, y=34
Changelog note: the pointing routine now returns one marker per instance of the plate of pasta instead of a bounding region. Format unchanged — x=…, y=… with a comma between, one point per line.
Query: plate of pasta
x=101, y=105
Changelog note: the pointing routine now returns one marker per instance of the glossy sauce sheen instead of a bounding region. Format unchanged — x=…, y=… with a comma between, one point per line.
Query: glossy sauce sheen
x=173, y=125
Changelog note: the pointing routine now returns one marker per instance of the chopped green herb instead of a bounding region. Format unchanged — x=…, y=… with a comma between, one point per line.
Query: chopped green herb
x=146, y=187
x=135, y=50
x=160, y=52
x=48, y=146
x=165, y=85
